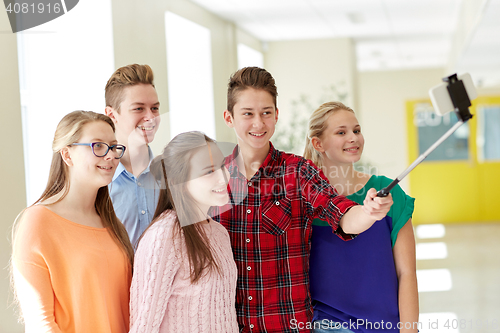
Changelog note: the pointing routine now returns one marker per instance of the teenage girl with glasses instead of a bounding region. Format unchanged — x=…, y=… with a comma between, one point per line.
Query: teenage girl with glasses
x=72, y=258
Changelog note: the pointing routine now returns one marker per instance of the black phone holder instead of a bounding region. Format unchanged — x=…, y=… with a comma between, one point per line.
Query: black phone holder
x=461, y=102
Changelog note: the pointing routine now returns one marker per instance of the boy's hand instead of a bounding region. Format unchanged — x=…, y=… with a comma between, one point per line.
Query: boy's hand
x=376, y=207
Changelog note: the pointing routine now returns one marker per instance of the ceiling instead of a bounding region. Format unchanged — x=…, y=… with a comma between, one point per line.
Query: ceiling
x=388, y=34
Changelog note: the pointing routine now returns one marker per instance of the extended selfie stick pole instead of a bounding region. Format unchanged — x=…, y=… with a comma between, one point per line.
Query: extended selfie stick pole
x=461, y=102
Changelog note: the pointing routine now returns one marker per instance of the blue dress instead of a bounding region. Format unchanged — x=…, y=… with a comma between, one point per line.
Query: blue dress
x=355, y=282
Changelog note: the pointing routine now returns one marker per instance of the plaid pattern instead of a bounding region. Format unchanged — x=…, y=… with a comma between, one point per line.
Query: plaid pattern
x=270, y=223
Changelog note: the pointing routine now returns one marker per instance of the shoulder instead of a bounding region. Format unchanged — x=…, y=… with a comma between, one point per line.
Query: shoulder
x=36, y=217
x=34, y=230
x=379, y=182
x=295, y=162
x=160, y=241
x=164, y=224
x=161, y=230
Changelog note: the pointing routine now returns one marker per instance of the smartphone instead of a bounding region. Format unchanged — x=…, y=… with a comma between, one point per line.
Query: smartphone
x=441, y=99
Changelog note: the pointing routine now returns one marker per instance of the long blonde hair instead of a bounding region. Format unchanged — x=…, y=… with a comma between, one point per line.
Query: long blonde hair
x=317, y=126
x=68, y=131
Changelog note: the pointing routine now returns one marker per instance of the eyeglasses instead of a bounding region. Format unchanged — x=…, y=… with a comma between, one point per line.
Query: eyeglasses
x=100, y=149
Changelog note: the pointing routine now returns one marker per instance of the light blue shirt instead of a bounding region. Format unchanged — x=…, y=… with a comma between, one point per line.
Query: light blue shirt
x=134, y=199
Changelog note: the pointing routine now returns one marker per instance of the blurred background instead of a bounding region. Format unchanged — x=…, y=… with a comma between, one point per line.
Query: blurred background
x=379, y=57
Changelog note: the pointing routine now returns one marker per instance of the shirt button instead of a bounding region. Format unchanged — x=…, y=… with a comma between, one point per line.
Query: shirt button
x=250, y=298
x=249, y=183
x=139, y=184
x=277, y=203
x=249, y=211
x=143, y=212
x=251, y=325
x=248, y=240
x=249, y=268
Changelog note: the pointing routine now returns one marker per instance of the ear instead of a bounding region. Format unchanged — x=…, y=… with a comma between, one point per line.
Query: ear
x=111, y=113
x=276, y=118
x=66, y=156
x=228, y=119
x=317, y=145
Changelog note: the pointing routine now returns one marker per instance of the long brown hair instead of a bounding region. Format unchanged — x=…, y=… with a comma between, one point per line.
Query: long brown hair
x=172, y=168
x=317, y=125
x=68, y=132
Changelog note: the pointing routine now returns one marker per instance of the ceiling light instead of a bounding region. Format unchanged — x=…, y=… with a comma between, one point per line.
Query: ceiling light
x=356, y=17
x=437, y=250
x=430, y=231
x=433, y=280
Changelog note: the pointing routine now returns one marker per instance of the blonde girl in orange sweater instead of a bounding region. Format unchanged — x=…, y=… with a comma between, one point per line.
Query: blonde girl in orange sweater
x=72, y=259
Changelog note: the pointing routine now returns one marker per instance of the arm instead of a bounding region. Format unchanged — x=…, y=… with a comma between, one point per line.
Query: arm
x=36, y=297
x=404, y=259
x=321, y=200
x=360, y=218
x=31, y=274
x=155, y=266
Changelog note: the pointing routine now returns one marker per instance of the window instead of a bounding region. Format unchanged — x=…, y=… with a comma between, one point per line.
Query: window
x=249, y=57
x=64, y=65
x=190, y=84
x=488, y=135
x=432, y=126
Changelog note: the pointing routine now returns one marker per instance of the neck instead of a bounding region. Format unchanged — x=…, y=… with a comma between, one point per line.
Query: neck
x=80, y=198
x=136, y=157
x=252, y=159
x=341, y=176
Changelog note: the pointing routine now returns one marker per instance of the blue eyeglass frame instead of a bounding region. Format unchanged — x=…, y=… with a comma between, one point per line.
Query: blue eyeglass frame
x=104, y=143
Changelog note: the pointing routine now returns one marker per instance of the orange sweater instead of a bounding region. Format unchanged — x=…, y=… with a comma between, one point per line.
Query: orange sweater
x=69, y=277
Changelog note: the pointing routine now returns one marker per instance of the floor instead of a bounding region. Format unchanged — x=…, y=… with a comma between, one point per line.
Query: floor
x=458, y=271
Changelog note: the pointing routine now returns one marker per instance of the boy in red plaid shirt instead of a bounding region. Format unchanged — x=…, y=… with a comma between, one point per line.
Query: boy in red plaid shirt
x=274, y=197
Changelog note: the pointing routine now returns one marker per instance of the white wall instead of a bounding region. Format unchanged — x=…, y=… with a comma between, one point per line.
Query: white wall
x=308, y=68
x=12, y=194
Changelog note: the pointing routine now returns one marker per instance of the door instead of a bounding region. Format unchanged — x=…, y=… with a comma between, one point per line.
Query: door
x=459, y=181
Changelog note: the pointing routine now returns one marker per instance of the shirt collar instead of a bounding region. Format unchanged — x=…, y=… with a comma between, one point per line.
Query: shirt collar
x=269, y=161
x=120, y=168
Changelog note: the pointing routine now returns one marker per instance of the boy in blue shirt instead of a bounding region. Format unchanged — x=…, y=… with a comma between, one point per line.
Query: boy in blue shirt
x=132, y=103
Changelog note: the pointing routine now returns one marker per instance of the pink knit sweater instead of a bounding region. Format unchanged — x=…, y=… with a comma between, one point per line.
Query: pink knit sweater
x=162, y=298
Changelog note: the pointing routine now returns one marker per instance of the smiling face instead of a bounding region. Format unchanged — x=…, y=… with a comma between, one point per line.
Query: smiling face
x=254, y=119
x=139, y=115
x=84, y=166
x=342, y=141
x=207, y=182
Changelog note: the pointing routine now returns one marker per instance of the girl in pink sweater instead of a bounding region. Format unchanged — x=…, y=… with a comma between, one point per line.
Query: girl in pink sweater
x=184, y=273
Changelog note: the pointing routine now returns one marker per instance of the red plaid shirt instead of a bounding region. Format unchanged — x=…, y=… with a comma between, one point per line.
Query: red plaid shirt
x=270, y=223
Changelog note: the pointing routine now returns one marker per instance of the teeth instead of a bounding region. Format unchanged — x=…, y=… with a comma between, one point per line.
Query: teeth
x=105, y=168
x=219, y=191
x=351, y=149
x=144, y=128
x=257, y=134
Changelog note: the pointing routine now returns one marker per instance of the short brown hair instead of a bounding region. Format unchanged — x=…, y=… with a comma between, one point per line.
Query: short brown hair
x=124, y=77
x=250, y=77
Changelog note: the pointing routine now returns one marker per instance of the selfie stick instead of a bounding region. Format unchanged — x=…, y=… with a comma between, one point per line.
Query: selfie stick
x=461, y=103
